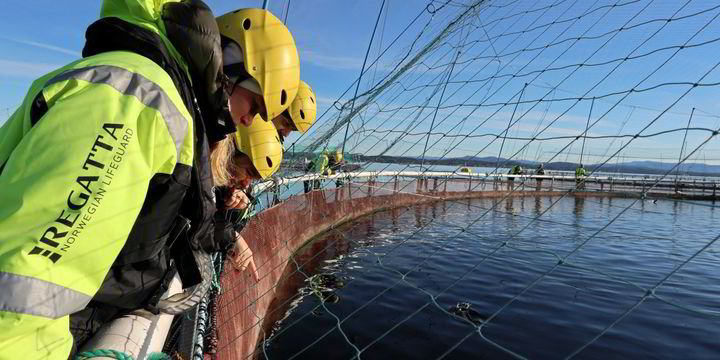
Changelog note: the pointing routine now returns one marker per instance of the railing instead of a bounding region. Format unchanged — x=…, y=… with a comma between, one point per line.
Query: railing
x=680, y=187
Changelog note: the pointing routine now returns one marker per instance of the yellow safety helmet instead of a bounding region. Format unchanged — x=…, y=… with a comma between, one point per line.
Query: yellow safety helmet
x=269, y=55
x=303, y=109
x=260, y=142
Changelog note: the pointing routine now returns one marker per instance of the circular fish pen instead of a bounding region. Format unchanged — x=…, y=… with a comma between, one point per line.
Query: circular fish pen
x=305, y=276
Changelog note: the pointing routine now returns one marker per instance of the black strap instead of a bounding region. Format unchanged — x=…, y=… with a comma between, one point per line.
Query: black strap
x=162, y=289
x=38, y=108
x=182, y=254
x=183, y=263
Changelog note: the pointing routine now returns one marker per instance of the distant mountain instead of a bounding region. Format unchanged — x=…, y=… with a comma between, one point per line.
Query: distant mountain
x=495, y=159
x=633, y=167
x=683, y=168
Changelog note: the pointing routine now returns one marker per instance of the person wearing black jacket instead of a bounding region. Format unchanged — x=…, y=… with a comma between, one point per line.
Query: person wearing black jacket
x=188, y=49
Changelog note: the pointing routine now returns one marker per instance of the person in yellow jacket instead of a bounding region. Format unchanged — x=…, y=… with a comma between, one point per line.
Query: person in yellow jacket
x=321, y=162
x=580, y=175
x=319, y=166
x=108, y=156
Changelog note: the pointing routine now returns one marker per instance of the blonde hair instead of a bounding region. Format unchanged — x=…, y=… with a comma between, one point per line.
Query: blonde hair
x=221, y=163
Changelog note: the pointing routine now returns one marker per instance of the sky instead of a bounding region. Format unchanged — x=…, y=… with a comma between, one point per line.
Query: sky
x=332, y=36
x=508, y=50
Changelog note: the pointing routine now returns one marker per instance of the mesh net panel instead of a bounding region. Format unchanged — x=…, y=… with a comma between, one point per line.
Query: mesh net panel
x=491, y=84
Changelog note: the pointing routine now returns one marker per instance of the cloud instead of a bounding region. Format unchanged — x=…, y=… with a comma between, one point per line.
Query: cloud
x=331, y=61
x=341, y=62
x=44, y=46
x=327, y=101
x=501, y=125
x=24, y=69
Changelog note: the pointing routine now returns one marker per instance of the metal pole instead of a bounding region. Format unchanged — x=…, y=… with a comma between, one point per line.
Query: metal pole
x=362, y=71
x=265, y=4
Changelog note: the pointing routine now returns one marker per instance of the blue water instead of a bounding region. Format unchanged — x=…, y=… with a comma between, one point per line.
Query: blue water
x=388, y=317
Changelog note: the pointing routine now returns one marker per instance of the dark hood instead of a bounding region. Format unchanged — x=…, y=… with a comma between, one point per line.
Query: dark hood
x=180, y=36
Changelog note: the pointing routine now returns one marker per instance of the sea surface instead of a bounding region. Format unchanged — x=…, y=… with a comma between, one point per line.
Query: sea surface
x=533, y=277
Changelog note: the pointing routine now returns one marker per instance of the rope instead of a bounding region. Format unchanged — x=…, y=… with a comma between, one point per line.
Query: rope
x=362, y=69
x=202, y=327
x=98, y=353
x=211, y=334
x=159, y=356
x=116, y=354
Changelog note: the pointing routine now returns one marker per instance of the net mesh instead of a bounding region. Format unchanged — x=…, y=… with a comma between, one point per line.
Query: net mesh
x=496, y=84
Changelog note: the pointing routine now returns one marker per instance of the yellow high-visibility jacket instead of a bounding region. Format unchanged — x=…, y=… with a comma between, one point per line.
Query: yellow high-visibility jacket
x=77, y=160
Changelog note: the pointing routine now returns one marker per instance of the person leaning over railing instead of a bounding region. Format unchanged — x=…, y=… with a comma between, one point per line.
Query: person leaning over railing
x=300, y=115
x=108, y=156
x=255, y=153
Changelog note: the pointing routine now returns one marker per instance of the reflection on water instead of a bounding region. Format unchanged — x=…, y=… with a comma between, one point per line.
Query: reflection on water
x=377, y=275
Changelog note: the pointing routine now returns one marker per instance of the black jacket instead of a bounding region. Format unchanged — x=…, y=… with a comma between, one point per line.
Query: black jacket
x=142, y=267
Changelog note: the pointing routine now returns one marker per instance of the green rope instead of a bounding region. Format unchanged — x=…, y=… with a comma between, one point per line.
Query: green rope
x=217, y=270
x=118, y=355
x=115, y=354
x=158, y=356
x=215, y=282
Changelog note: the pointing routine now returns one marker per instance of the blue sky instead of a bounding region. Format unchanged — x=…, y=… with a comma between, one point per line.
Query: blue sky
x=332, y=37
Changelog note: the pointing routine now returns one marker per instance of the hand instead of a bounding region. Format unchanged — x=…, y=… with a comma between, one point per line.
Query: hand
x=237, y=199
x=242, y=257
